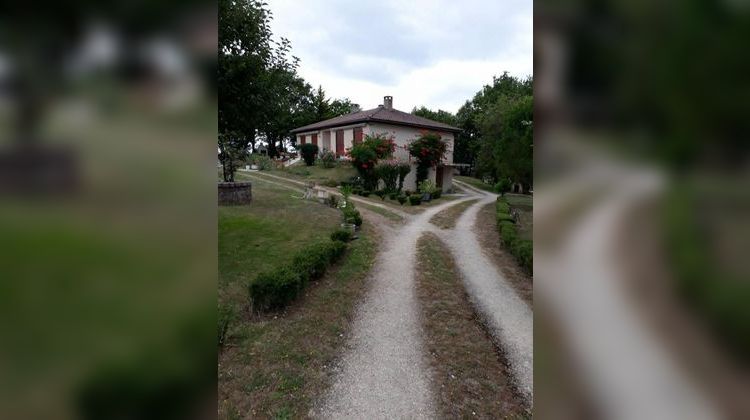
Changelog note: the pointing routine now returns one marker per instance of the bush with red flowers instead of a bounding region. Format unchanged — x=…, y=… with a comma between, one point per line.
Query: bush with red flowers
x=429, y=149
x=365, y=156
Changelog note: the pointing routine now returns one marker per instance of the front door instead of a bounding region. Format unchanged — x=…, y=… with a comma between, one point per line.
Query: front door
x=340, y=143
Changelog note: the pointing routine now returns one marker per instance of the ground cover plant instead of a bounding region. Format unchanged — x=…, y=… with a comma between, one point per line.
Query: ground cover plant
x=521, y=248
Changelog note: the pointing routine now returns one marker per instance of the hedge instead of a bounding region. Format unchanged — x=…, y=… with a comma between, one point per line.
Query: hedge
x=277, y=288
x=521, y=249
x=342, y=235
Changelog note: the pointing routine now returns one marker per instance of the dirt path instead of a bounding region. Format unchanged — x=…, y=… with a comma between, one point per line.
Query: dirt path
x=382, y=373
x=591, y=308
x=508, y=317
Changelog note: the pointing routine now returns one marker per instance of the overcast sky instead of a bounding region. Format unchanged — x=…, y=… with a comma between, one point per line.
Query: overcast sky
x=436, y=53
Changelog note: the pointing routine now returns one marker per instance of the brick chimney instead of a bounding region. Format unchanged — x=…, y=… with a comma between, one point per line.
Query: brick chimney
x=388, y=102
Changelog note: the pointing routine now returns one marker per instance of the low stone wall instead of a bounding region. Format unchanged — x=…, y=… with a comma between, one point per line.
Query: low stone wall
x=235, y=193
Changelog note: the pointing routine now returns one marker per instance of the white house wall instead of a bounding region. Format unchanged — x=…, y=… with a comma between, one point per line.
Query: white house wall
x=405, y=135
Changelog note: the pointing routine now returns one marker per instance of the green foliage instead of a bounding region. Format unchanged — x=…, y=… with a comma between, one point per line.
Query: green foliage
x=328, y=159
x=426, y=187
x=351, y=214
x=346, y=191
x=366, y=154
x=415, y=199
x=436, y=193
x=521, y=249
x=402, y=199
x=277, y=288
x=381, y=194
x=403, y=170
x=388, y=171
x=429, y=149
x=263, y=162
x=392, y=195
x=309, y=151
x=343, y=235
x=503, y=186
x=331, y=183
x=332, y=201
x=366, y=193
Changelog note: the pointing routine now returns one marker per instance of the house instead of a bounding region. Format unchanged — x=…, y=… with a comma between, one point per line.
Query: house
x=340, y=133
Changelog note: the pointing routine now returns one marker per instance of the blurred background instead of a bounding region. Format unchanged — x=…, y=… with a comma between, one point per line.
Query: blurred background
x=642, y=206
x=108, y=210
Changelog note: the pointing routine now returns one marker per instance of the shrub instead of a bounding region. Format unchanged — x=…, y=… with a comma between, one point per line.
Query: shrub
x=328, y=159
x=393, y=195
x=342, y=235
x=366, y=193
x=346, y=191
x=503, y=186
x=332, y=183
x=403, y=169
x=388, y=172
x=415, y=200
x=264, y=162
x=524, y=252
x=309, y=151
x=521, y=249
x=277, y=288
x=332, y=201
x=429, y=149
x=436, y=193
x=426, y=187
x=366, y=154
x=381, y=194
x=351, y=214
x=402, y=199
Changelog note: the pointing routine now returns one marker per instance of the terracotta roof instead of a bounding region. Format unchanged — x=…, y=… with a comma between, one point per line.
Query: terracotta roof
x=379, y=114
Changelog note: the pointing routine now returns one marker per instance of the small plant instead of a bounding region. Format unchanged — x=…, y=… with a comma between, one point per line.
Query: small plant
x=415, y=199
x=332, y=201
x=426, y=187
x=393, y=195
x=381, y=194
x=366, y=193
x=402, y=199
x=308, y=152
x=436, y=193
x=403, y=169
x=503, y=186
x=342, y=235
x=328, y=159
x=263, y=162
x=346, y=191
x=332, y=183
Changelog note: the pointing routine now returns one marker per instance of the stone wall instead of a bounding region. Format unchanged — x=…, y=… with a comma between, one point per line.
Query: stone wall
x=235, y=193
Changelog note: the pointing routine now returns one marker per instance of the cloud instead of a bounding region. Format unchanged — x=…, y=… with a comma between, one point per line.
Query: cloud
x=423, y=52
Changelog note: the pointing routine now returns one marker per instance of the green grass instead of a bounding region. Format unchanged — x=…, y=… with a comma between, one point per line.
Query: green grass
x=470, y=379
x=524, y=204
x=476, y=183
x=317, y=173
x=446, y=219
x=275, y=367
x=263, y=235
x=381, y=211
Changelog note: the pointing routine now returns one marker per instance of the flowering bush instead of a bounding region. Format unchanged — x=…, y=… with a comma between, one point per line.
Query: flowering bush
x=429, y=149
x=365, y=155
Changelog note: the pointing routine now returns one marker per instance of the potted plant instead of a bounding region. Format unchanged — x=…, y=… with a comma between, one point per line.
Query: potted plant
x=426, y=188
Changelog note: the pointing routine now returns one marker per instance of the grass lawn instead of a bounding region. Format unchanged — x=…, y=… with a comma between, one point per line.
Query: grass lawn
x=264, y=234
x=524, y=203
x=471, y=379
x=275, y=365
x=474, y=182
x=317, y=173
x=446, y=219
x=407, y=208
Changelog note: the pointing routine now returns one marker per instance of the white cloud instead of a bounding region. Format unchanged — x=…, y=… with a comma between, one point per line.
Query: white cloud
x=423, y=52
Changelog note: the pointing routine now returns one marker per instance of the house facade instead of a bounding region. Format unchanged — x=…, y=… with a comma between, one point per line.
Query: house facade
x=341, y=133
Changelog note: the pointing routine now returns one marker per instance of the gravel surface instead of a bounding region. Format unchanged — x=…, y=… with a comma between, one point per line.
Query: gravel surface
x=507, y=316
x=382, y=373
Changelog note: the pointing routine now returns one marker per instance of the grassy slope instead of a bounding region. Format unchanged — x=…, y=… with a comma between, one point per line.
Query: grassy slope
x=470, y=378
x=278, y=366
x=524, y=203
x=476, y=183
x=342, y=172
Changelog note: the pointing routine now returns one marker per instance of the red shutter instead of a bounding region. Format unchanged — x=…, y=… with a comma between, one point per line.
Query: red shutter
x=340, y=143
x=315, y=139
x=301, y=139
x=358, y=135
